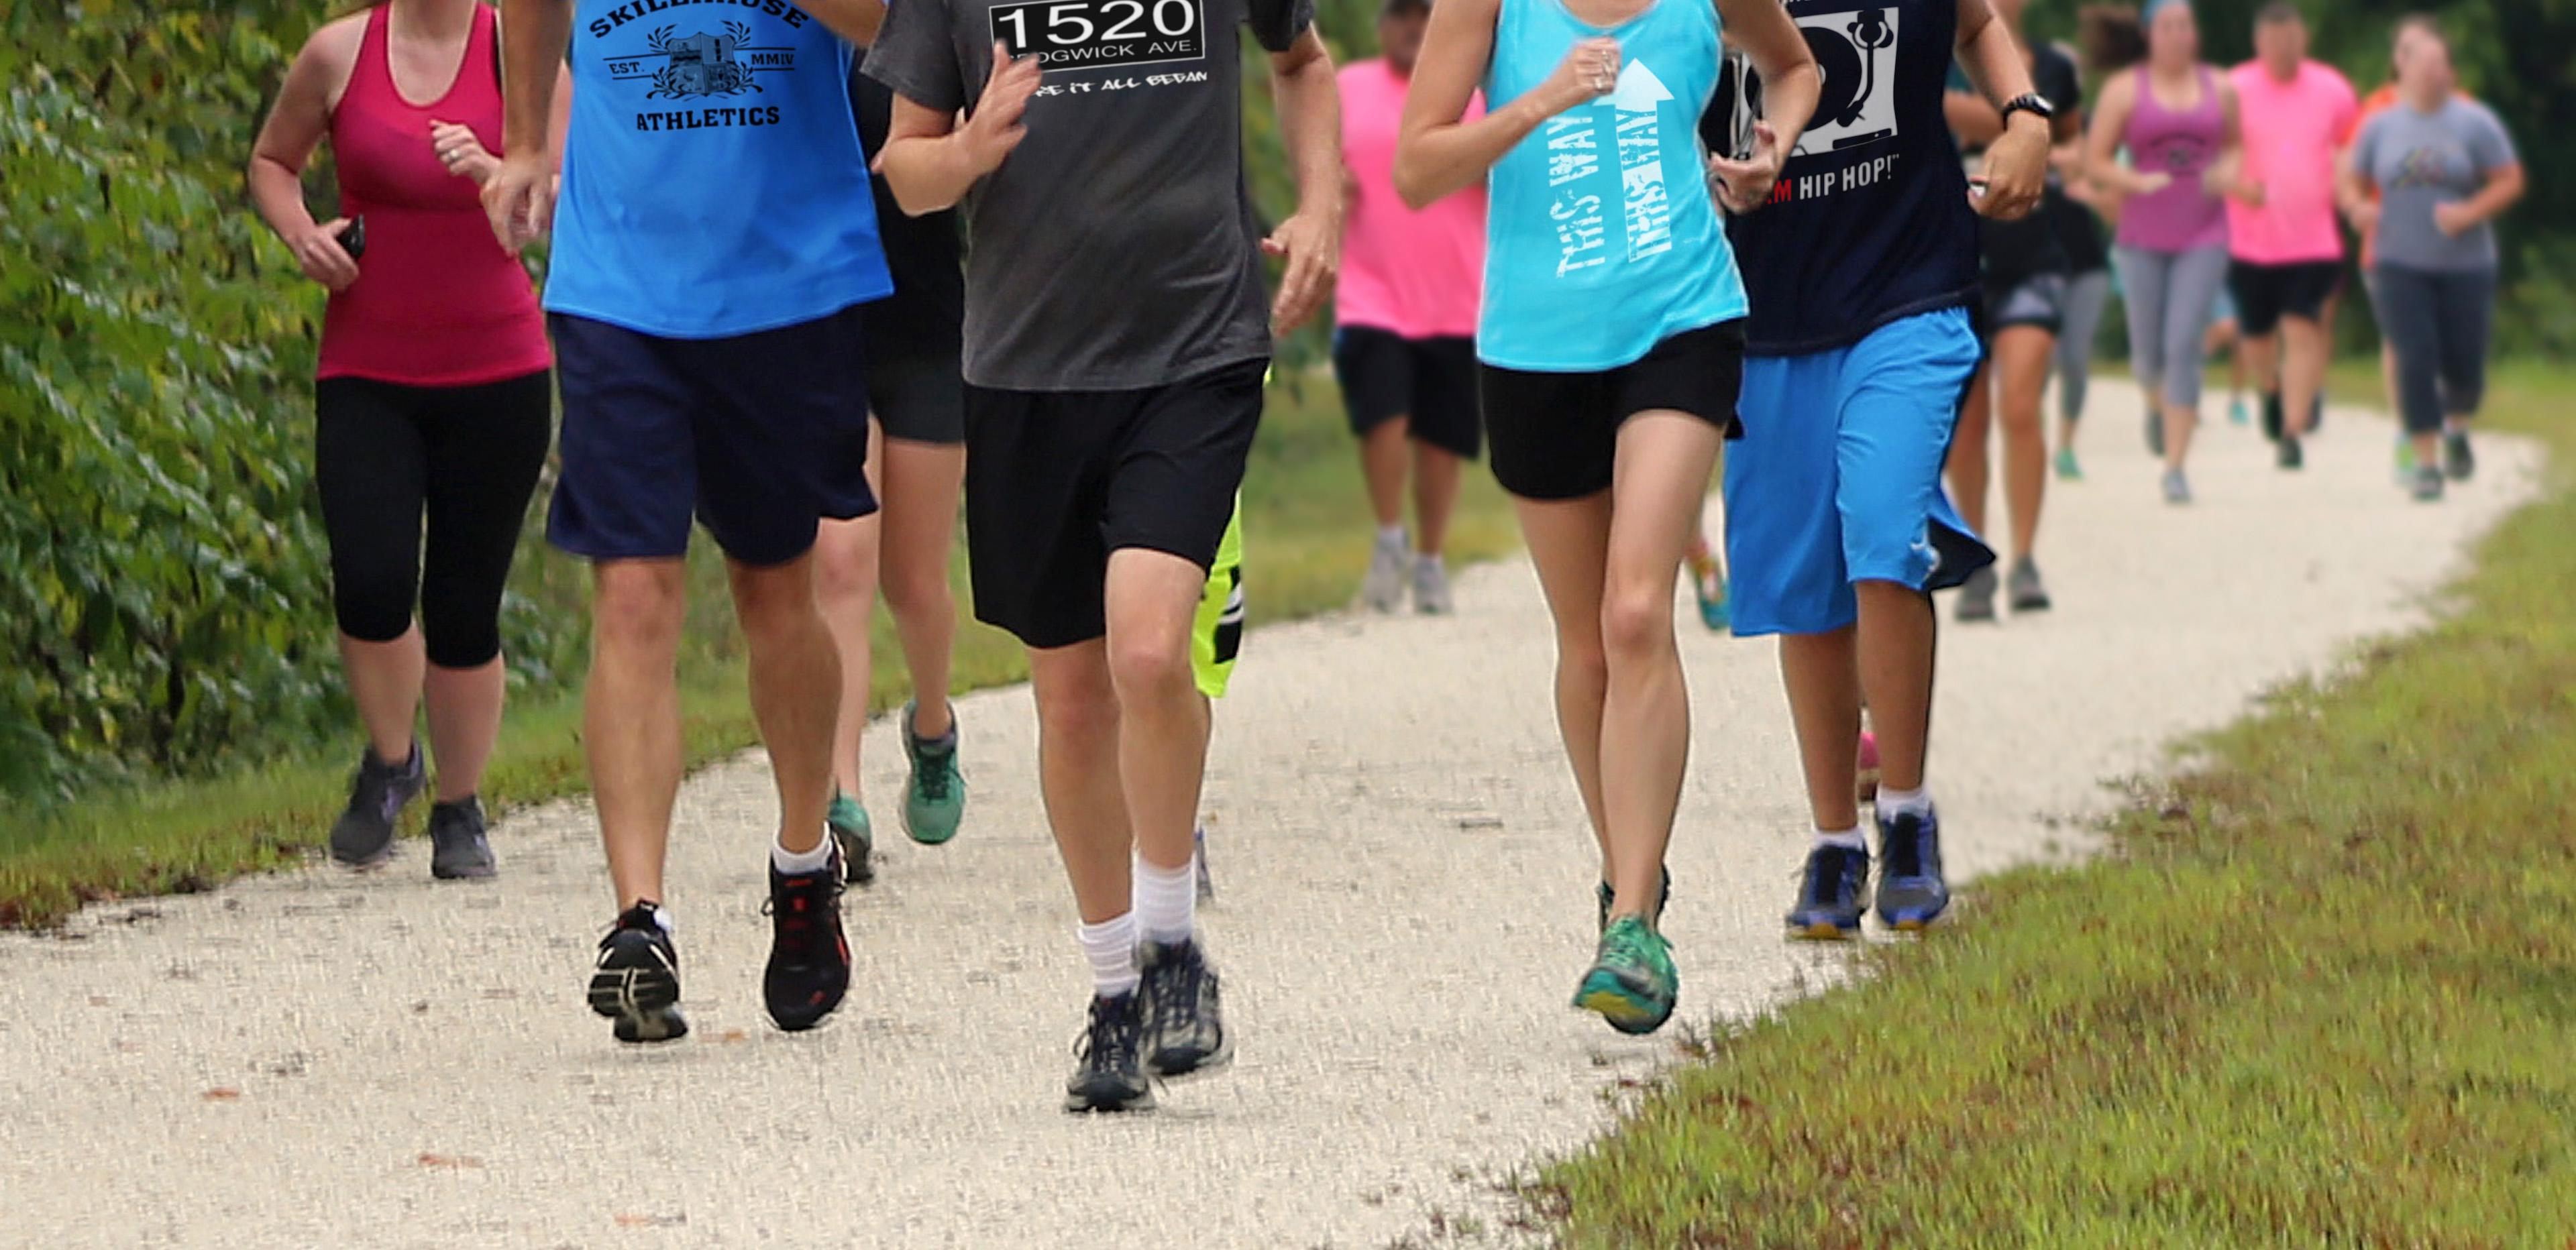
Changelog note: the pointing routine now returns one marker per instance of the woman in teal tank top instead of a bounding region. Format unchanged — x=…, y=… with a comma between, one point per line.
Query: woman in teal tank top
x=1612, y=344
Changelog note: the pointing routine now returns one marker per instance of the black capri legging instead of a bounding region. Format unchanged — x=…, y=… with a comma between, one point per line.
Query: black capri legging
x=468, y=457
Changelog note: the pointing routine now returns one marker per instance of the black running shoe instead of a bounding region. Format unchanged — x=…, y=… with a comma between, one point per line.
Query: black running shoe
x=809, y=959
x=2272, y=418
x=2459, y=460
x=1184, y=1023
x=1911, y=891
x=460, y=845
x=364, y=835
x=1109, y=1072
x=1604, y=896
x=637, y=980
x=2288, y=454
x=1832, y=894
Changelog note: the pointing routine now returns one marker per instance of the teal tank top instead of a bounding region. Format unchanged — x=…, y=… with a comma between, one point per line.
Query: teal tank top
x=1602, y=238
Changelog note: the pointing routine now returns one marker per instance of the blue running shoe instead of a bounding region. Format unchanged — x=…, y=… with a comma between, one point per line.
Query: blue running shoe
x=1911, y=893
x=1832, y=895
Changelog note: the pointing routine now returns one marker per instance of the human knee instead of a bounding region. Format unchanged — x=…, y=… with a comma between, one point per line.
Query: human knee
x=1636, y=622
x=912, y=591
x=638, y=604
x=845, y=570
x=1078, y=714
x=1149, y=662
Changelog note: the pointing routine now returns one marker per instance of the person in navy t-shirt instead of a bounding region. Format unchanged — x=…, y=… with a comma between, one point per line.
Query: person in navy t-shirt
x=1861, y=272
x=714, y=240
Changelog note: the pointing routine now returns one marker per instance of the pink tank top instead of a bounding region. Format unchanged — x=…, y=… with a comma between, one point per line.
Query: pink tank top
x=2184, y=215
x=437, y=302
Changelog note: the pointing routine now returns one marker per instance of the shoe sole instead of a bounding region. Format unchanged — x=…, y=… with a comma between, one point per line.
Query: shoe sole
x=856, y=865
x=1823, y=931
x=1603, y=995
x=644, y=1001
x=2037, y=603
x=921, y=838
x=1081, y=1103
x=1976, y=617
x=470, y=872
x=1173, y=1065
x=1912, y=924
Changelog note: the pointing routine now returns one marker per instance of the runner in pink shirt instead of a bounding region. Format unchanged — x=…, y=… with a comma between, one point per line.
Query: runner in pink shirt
x=2286, y=254
x=1405, y=324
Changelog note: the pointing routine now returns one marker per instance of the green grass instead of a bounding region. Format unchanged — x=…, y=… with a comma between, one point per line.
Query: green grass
x=2320, y=994
x=1307, y=531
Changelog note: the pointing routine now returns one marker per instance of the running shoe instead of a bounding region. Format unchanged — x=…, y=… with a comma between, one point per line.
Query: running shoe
x=2068, y=469
x=1833, y=894
x=2405, y=460
x=1389, y=565
x=2428, y=484
x=2272, y=416
x=364, y=834
x=1108, y=1071
x=1709, y=587
x=1184, y=1021
x=2237, y=413
x=809, y=958
x=1431, y=586
x=1604, y=895
x=2155, y=432
x=2177, y=487
x=858, y=841
x=637, y=979
x=1867, y=767
x=1977, y=595
x=1207, y=883
x=1632, y=984
x=2023, y=589
x=1911, y=892
x=460, y=845
x=934, y=800
x=2458, y=458
x=2288, y=454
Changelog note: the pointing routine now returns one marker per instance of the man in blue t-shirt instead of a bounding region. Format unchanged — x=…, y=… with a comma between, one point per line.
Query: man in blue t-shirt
x=712, y=245
x=1862, y=270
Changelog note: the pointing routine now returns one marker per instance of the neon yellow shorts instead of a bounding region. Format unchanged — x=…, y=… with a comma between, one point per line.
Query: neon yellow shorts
x=1216, y=636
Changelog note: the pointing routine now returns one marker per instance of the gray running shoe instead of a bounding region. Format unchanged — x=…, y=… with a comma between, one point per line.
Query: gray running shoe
x=2288, y=454
x=364, y=835
x=2458, y=458
x=2155, y=432
x=1977, y=595
x=1388, y=565
x=459, y=843
x=2177, y=487
x=2428, y=484
x=2023, y=588
x=1431, y=587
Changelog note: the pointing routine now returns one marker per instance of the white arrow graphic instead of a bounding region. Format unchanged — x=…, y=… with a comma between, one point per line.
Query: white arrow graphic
x=1639, y=91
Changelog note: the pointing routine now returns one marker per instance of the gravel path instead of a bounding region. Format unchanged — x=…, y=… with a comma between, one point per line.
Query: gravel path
x=1405, y=895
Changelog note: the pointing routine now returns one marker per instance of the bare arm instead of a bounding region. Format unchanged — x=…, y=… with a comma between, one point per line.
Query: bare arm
x=930, y=161
x=2016, y=164
x=2505, y=184
x=1310, y=122
x=1790, y=87
x=287, y=140
x=2102, y=139
x=2226, y=176
x=1436, y=153
x=854, y=20
x=1975, y=122
x=519, y=195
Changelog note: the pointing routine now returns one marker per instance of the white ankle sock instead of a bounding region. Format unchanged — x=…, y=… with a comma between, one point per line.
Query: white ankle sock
x=1848, y=839
x=798, y=863
x=1111, y=947
x=1895, y=803
x=1390, y=536
x=1167, y=901
x=1430, y=560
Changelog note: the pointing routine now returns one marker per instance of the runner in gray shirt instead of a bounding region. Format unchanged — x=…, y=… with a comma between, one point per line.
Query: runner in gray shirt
x=2442, y=169
x=1116, y=341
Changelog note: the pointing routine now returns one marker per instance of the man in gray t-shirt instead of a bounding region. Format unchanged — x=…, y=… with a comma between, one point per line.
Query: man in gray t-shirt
x=1116, y=342
x=2422, y=161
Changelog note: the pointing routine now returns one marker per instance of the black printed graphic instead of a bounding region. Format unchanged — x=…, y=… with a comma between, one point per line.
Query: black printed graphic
x=1856, y=56
x=1084, y=34
x=701, y=64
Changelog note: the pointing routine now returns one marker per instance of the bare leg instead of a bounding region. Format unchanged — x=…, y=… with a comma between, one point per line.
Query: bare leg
x=1435, y=496
x=384, y=680
x=1821, y=674
x=2303, y=372
x=1086, y=805
x=1162, y=719
x=1384, y=451
x=845, y=584
x=922, y=485
x=631, y=717
x=464, y=722
x=1898, y=636
x=1968, y=468
x=1569, y=544
x=795, y=689
x=2020, y=378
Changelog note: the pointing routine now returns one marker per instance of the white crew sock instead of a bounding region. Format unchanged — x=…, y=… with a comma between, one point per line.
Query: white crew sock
x=1167, y=901
x=1430, y=560
x=1895, y=803
x=1111, y=947
x=1390, y=536
x=799, y=863
x=1848, y=839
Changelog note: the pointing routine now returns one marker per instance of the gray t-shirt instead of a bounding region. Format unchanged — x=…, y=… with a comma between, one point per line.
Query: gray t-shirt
x=1116, y=248
x=2421, y=159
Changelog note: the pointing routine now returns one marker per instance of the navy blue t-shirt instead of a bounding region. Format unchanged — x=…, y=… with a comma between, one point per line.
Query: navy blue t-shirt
x=1870, y=221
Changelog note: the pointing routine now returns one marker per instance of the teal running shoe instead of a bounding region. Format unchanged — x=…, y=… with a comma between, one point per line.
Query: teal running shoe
x=2238, y=413
x=935, y=799
x=1632, y=983
x=2068, y=468
x=849, y=824
x=1604, y=895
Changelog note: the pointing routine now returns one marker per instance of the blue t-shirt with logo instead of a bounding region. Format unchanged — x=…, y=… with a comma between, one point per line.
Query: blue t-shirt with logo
x=1602, y=240
x=1870, y=221
x=713, y=183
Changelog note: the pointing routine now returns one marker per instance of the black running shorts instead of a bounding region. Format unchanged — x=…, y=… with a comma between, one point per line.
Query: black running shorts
x=1554, y=434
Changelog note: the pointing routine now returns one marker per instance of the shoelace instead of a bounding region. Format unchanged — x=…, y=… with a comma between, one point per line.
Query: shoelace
x=1631, y=943
x=1822, y=885
x=799, y=928
x=1178, y=990
x=1110, y=1038
x=936, y=771
x=1903, y=852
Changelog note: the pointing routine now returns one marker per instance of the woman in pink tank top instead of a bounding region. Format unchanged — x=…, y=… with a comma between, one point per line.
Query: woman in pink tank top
x=433, y=396
x=2176, y=117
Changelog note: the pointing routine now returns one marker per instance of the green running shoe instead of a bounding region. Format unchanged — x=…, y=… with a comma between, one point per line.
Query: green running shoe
x=2069, y=469
x=1632, y=983
x=935, y=799
x=849, y=825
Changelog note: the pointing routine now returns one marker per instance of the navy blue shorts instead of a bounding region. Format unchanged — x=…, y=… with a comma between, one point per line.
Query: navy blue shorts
x=757, y=436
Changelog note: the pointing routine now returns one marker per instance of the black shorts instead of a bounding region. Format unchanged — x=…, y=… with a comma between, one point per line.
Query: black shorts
x=1429, y=382
x=1056, y=480
x=2266, y=293
x=1554, y=434
x=916, y=381
x=757, y=436
x=2038, y=300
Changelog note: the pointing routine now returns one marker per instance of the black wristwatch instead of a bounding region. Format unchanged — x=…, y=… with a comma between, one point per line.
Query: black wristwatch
x=2029, y=102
